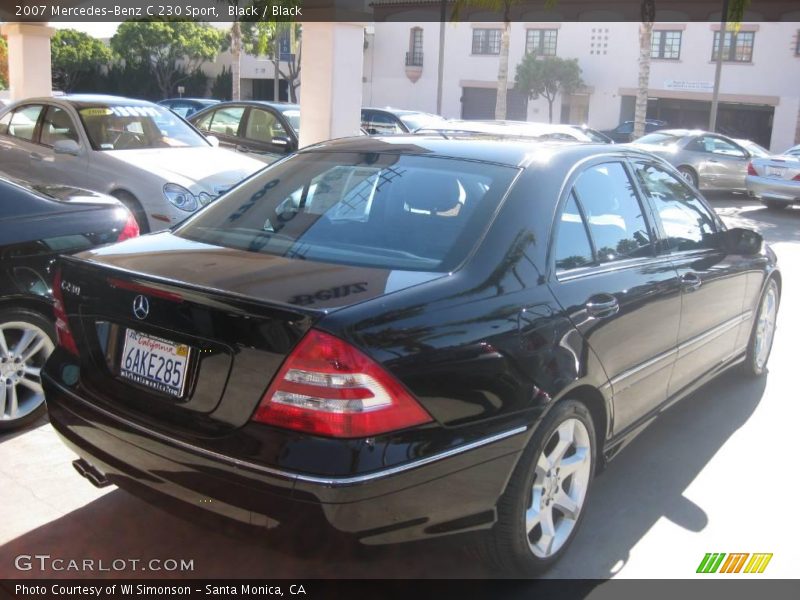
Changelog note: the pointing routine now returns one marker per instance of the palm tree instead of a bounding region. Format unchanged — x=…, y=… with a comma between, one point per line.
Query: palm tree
x=732, y=12
x=502, y=69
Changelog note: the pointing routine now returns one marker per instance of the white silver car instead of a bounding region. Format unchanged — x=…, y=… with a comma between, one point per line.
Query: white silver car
x=141, y=153
x=775, y=180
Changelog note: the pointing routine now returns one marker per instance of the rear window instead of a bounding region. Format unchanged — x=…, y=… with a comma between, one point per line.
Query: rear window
x=377, y=210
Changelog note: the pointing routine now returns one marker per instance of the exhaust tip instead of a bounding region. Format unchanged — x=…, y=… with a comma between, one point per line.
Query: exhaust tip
x=88, y=471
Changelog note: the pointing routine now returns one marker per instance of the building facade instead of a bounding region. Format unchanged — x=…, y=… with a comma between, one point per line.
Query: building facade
x=759, y=92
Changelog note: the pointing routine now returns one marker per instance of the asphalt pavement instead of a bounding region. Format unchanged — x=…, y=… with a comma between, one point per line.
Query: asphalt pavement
x=715, y=473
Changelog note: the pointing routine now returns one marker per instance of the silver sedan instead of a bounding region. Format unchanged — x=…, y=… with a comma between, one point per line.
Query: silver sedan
x=709, y=161
x=775, y=180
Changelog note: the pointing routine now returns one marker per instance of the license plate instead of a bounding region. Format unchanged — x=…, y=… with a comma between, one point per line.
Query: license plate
x=154, y=362
x=776, y=171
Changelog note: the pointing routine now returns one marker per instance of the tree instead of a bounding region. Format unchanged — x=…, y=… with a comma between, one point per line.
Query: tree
x=548, y=76
x=171, y=50
x=73, y=55
x=263, y=39
x=732, y=12
x=3, y=63
x=502, y=69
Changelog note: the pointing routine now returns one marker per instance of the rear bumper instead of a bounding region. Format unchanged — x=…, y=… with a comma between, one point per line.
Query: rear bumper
x=773, y=189
x=440, y=494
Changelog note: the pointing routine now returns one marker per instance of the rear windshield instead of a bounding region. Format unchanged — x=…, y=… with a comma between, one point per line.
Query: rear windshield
x=378, y=210
x=658, y=139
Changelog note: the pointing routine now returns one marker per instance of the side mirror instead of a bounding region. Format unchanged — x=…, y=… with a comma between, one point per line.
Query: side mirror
x=70, y=147
x=745, y=242
x=282, y=141
x=213, y=140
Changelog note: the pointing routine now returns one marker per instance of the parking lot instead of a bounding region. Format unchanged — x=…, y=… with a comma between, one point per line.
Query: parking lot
x=712, y=475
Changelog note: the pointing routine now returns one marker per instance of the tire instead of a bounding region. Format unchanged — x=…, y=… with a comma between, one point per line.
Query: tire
x=689, y=175
x=521, y=549
x=133, y=205
x=26, y=340
x=763, y=333
x=775, y=204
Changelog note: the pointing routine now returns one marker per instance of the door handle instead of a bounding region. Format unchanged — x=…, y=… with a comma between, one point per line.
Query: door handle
x=602, y=306
x=711, y=160
x=36, y=156
x=241, y=148
x=691, y=281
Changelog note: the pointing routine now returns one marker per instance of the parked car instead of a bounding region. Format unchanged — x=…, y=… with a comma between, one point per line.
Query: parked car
x=709, y=161
x=403, y=337
x=140, y=153
x=623, y=133
x=37, y=223
x=185, y=107
x=775, y=180
x=264, y=130
x=521, y=130
x=385, y=121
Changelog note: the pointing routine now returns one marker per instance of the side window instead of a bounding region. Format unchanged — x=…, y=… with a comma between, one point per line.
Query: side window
x=613, y=213
x=262, y=126
x=4, y=122
x=57, y=125
x=572, y=249
x=23, y=122
x=226, y=120
x=205, y=122
x=626, y=127
x=688, y=224
x=382, y=124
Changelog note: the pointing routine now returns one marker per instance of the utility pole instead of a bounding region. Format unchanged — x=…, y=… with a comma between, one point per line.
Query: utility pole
x=439, y=81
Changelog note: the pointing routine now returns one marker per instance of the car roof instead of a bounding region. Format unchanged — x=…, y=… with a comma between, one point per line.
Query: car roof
x=398, y=111
x=477, y=147
x=276, y=105
x=184, y=99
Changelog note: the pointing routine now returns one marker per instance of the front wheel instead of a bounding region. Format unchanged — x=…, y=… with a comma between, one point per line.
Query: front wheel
x=689, y=175
x=763, y=334
x=26, y=340
x=542, y=507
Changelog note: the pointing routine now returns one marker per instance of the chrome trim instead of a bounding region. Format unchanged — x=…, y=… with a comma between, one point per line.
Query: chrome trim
x=707, y=336
x=327, y=481
x=617, y=266
x=644, y=365
x=716, y=331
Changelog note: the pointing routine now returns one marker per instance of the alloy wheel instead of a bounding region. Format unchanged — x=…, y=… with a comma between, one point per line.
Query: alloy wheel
x=765, y=326
x=560, y=483
x=24, y=348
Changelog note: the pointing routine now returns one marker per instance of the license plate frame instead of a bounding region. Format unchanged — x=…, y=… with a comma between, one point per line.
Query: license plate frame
x=776, y=172
x=156, y=359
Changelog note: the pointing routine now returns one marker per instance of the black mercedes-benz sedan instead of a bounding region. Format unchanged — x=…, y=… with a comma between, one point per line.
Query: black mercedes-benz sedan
x=37, y=223
x=406, y=337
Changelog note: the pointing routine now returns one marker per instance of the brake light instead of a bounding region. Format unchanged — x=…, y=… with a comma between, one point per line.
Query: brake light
x=130, y=230
x=63, y=332
x=327, y=387
x=796, y=177
x=751, y=170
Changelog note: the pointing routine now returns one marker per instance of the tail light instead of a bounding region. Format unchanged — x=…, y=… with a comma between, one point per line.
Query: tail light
x=327, y=387
x=130, y=230
x=63, y=333
x=751, y=170
x=796, y=177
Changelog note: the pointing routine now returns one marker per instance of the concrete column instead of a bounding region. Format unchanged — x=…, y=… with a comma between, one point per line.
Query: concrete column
x=28, y=59
x=330, y=94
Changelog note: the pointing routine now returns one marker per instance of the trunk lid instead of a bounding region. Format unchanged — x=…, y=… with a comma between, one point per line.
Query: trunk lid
x=229, y=316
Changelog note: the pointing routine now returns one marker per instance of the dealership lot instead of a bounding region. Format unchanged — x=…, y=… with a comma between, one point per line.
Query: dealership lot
x=710, y=476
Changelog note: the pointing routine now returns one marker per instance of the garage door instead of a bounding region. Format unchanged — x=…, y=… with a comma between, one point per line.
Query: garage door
x=479, y=103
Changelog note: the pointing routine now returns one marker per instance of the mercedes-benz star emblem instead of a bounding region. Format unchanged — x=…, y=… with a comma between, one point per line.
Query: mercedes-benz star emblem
x=141, y=307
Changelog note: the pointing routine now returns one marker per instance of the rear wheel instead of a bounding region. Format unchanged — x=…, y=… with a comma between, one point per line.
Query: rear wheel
x=775, y=204
x=542, y=507
x=689, y=175
x=133, y=205
x=26, y=340
x=763, y=334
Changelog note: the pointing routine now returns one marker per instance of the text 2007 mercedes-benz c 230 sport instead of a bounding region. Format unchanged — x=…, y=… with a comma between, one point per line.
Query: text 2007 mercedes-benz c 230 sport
x=405, y=337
